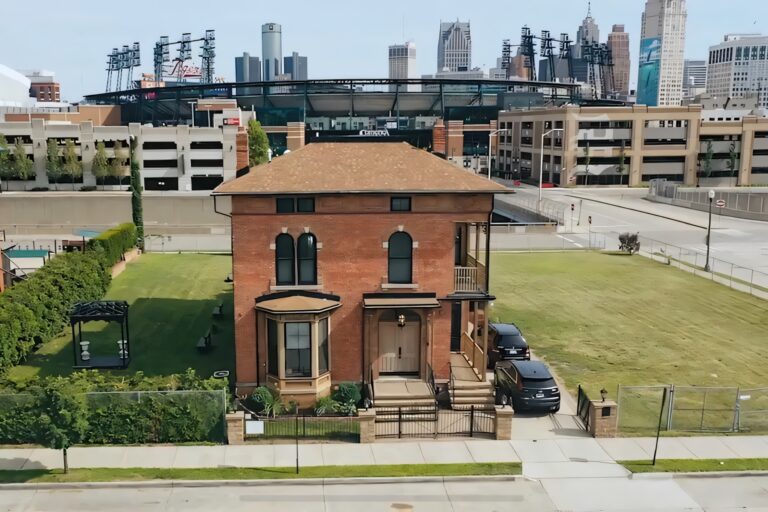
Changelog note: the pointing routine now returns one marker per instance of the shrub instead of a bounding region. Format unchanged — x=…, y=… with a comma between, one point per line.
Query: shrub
x=326, y=406
x=36, y=309
x=114, y=242
x=347, y=392
x=88, y=188
x=268, y=400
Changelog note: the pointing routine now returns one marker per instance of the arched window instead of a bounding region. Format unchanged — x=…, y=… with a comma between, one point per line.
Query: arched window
x=307, y=259
x=284, y=256
x=400, y=258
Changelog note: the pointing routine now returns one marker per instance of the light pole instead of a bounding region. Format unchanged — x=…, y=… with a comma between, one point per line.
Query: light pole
x=490, y=145
x=711, y=195
x=541, y=166
x=1, y=178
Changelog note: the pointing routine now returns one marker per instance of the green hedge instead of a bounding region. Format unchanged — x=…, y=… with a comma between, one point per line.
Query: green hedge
x=115, y=242
x=124, y=417
x=36, y=309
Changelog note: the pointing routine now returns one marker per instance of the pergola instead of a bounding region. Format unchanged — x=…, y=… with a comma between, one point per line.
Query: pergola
x=105, y=311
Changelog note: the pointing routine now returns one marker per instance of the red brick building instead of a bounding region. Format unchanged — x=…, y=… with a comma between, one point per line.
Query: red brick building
x=357, y=260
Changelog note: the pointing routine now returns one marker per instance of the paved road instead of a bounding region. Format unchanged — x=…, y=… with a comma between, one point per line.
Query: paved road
x=574, y=494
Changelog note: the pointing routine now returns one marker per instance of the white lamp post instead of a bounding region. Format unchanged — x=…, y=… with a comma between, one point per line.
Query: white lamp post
x=711, y=195
x=490, y=145
x=541, y=166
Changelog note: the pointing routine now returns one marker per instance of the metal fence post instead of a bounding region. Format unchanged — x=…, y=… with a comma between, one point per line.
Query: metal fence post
x=472, y=420
x=671, y=407
x=737, y=411
x=658, y=430
x=297, y=442
x=399, y=422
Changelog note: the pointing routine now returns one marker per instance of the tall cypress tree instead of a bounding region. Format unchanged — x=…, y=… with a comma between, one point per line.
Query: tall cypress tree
x=136, y=201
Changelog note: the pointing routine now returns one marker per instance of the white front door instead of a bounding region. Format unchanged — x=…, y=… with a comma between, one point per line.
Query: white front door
x=398, y=348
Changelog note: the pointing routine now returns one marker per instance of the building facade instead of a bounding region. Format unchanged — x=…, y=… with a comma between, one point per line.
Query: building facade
x=354, y=261
x=271, y=51
x=739, y=66
x=618, y=43
x=247, y=68
x=43, y=86
x=402, y=64
x=454, y=47
x=662, y=50
x=296, y=66
x=588, y=32
x=653, y=143
x=694, y=78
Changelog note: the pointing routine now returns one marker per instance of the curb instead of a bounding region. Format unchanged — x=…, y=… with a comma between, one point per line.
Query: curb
x=172, y=484
x=696, y=474
x=638, y=210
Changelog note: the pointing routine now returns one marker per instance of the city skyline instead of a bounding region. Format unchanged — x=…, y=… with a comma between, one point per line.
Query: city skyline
x=85, y=39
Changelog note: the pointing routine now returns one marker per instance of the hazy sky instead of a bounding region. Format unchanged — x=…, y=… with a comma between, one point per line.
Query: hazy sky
x=343, y=39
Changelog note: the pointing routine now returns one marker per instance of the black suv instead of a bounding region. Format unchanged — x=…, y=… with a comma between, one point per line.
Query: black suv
x=506, y=342
x=526, y=385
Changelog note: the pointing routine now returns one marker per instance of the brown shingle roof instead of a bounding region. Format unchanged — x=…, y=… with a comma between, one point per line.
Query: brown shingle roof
x=358, y=167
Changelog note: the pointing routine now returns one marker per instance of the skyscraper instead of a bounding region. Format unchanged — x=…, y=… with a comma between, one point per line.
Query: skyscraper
x=272, y=50
x=739, y=67
x=247, y=68
x=587, y=32
x=402, y=64
x=694, y=78
x=454, y=47
x=618, y=43
x=662, y=49
x=296, y=66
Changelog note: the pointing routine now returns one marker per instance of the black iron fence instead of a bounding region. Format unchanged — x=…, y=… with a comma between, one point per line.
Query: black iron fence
x=582, y=407
x=432, y=422
x=303, y=427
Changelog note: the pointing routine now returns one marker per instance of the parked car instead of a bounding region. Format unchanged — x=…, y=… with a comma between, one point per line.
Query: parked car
x=526, y=385
x=506, y=342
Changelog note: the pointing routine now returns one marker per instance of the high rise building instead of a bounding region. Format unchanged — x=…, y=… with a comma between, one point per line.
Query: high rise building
x=662, y=50
x=739, y=66
x=618, y=43
x=587, y=32
x=247, y=68
x=296, y=66
x=454, y=47
x=694, y=78
x=43, y=86
x=402, y=64
x=271, y=50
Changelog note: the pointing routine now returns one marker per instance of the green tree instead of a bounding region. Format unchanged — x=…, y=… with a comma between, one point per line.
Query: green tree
x=63, y=415
x=72, y=166
x=708, y=159
x=622, y=167
x=22, y=165
x=587, y=160
x=117, y=169
x=137, y=206
x=733, y=158
x=100, y=164
x=6, y=164
x=53, y=166
x=258, y=144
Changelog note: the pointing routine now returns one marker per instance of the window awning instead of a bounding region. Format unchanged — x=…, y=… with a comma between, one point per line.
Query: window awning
x=398, y=301
x=297, y=302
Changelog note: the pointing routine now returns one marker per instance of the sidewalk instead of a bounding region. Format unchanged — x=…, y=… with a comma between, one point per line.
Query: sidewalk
x=546, y=458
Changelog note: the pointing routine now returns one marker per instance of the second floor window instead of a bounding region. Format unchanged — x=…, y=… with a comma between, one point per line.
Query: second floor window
x=296, y=264
x=307, y=259
x=284, y=260
x=400, y=258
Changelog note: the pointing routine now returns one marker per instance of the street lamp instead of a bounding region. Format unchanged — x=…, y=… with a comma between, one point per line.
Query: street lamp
x=541, y=167
x=1, y=179
x=490, y=145
x=711, y=195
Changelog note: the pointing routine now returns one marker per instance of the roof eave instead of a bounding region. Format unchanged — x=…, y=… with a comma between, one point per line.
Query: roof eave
x=371, y=192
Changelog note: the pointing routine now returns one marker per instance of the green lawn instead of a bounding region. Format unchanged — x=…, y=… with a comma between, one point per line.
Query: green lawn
x=112, y=475
x=695, y=466
x=602, y=320
x=171, y=300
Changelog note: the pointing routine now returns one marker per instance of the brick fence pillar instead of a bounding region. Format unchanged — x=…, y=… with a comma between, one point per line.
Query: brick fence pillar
x=503, y=423
x=236, y=428
x=367, y=426
x=603, y=418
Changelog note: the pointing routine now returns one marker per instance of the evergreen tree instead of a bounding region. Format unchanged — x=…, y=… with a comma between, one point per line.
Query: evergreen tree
x=72, y=166
x=258, y=144
x=708, y=159
x=117, y=168
x=22, y=165
x=6, y=164
x=53, y=165
x=100, y=164
x=733, y=158
x=137, y=206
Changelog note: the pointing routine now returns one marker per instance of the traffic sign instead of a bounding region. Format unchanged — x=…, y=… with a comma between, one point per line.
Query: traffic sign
x=720, y=203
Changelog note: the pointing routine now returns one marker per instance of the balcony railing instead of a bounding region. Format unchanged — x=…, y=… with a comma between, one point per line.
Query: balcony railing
x=469, y=279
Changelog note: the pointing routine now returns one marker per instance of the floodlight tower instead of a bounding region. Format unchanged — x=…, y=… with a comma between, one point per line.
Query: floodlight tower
x=122, y=57
x=162, y=56
x=547, y=51
x=112, y=63
x=566, y=52
x=133, y=60
x=529, y=51
x=185, y=53
x=208, y=56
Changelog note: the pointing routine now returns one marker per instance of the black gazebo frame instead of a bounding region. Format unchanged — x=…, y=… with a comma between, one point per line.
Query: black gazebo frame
x=108, y=311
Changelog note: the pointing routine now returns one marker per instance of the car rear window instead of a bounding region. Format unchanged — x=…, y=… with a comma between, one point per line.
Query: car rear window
x=539, y=383
x=511, y=341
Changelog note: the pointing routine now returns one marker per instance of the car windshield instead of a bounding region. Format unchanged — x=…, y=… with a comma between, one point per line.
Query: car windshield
x=509, y=341
x=539, y=383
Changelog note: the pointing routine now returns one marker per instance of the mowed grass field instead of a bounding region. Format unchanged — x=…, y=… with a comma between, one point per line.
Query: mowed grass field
x=171, y=298
x=601, y=320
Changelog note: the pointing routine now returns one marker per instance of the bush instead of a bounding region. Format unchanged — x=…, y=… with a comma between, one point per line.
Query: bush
x=347, y=392
x=39, y=189
x=268, y=400
x=326, y=406
x=114, y=242
x=88, y=188
x=118, y=418
x=36, y=309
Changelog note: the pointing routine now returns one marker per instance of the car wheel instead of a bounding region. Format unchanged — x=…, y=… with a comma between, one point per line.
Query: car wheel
x=556, y=410
x=516, y=406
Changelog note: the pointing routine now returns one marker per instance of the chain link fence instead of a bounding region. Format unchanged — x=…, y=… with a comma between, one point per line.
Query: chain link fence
x=691, y=409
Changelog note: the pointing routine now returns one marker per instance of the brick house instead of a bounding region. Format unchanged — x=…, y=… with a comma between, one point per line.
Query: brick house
x=358, y=262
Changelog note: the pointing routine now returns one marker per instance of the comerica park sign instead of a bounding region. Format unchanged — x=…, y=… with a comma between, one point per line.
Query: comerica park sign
x=374, y=133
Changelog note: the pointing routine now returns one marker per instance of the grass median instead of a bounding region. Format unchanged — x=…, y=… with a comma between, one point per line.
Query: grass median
x=140, y=474
x=695, y=466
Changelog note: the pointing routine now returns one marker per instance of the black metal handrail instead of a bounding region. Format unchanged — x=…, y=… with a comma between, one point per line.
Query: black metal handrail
x=452, y=386
x=431, y=381
x=370, y=387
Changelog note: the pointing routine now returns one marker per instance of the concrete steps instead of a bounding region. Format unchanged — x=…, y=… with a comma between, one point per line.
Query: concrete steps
x=410, y=401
